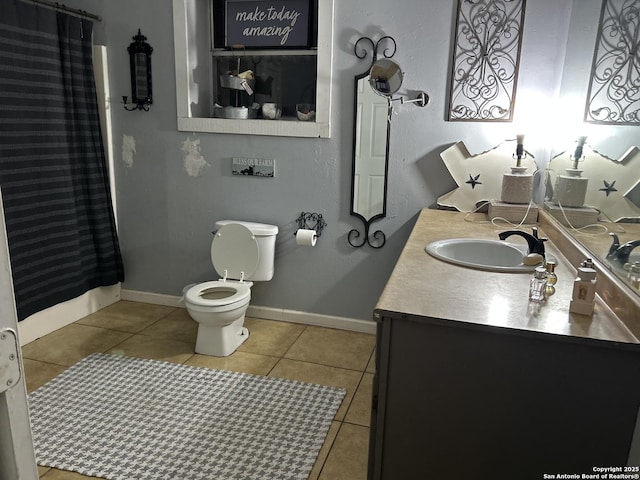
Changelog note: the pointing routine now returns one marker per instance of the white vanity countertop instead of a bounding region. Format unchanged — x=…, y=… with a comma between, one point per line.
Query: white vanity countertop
x=423, y=286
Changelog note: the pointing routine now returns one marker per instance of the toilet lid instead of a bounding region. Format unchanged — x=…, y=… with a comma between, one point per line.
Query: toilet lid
x=235, y=249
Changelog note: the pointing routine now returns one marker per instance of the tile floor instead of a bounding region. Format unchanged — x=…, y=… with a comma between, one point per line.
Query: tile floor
x=277, y=349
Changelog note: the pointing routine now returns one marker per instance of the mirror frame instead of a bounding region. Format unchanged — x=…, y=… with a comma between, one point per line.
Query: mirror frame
x=376, y=239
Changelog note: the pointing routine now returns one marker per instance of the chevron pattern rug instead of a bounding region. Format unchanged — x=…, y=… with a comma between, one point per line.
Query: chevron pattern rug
x=126, y=418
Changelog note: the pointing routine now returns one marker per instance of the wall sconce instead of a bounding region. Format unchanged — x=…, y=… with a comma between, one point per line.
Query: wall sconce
x=140, y=66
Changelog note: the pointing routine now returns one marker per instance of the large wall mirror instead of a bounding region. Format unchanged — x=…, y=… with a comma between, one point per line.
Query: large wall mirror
x=373, y=89
x=616, y=175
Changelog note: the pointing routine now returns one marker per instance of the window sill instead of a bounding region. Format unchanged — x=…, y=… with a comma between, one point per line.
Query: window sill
x=282, y=127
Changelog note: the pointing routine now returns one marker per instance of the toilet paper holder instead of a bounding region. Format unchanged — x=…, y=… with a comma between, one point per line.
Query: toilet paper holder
x=311, y=221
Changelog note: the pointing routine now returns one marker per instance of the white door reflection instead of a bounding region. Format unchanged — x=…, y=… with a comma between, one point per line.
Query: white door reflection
x=370, y=151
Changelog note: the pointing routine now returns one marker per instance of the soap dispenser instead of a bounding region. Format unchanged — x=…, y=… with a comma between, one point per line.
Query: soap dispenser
x=584, y=291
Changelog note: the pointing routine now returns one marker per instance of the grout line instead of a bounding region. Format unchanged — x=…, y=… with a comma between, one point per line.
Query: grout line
x=330, y=447
x=294, y=342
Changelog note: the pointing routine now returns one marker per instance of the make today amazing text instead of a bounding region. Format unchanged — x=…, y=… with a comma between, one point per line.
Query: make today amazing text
x=269, y=14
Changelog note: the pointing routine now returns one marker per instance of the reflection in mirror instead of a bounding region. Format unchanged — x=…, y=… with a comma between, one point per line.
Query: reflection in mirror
x=609, y=143
x=603, y=218
x=385, y=77
x=370, y=151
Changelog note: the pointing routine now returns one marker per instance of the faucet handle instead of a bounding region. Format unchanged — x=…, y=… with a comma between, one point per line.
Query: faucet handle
x=541, y=240
x=614, y=245
x=534, y=230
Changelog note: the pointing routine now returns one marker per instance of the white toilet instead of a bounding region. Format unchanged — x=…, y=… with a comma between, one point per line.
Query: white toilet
x=240, y=251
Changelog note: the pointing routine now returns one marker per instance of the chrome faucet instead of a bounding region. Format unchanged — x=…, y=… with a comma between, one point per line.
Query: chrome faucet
x=536, y=244
x=620, y=253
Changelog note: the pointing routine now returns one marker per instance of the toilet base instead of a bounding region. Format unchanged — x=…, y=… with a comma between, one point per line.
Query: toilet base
x=221, y=341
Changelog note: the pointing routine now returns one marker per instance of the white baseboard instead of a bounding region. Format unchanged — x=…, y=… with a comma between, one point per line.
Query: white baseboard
x=307, y=318
x=53, y=318
x=153, y=298
x=268, y=313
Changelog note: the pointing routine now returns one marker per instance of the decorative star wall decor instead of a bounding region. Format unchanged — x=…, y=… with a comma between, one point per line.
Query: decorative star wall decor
x=479, y=177
x=609, y=187
x=610, y=181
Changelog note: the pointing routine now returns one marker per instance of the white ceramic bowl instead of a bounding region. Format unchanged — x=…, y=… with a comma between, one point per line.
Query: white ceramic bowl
x=306, y=112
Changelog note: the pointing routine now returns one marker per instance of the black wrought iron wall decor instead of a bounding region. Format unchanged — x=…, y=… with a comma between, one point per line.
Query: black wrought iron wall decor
x=140, y=67
x=614, y=87
x=484, y=75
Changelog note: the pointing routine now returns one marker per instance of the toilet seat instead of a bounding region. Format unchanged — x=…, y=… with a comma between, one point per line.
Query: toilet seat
x=238, y=293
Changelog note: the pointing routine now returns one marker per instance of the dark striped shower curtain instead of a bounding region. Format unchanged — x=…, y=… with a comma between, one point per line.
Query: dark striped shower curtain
x=59, y=219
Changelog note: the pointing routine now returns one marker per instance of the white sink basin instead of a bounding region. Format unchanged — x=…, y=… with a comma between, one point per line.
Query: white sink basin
x=493, y=255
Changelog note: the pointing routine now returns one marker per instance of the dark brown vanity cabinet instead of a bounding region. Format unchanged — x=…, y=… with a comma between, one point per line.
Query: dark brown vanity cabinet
x=456, y=400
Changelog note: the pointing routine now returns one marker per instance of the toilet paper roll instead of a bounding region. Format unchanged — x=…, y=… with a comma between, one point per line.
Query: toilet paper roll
x=306, y=238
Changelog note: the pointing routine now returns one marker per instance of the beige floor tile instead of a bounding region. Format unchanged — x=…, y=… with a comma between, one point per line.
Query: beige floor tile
x=42, y=470
x=337, y=348
x=371, y=366
x=245, y=362
x=55, y=474
x=38, y=373
x=320, y=374
x=155, y=348
x=360, y=409
x=177, y=325
x=349, y=456
x=126, y=316
x=324, y=451
x=268, y=337
x=72, y=343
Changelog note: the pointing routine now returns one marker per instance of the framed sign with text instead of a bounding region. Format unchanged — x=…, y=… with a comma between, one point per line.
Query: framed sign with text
x=267, y=24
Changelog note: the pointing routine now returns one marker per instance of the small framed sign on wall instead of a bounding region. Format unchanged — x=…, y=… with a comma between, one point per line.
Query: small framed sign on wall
x=267, y=23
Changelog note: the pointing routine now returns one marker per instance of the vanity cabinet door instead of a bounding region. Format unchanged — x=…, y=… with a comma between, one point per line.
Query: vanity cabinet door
x=458, y=402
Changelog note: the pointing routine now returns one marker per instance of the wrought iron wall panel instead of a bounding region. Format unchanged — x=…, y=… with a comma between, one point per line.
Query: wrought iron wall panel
x=486, y=60
x=614, y=88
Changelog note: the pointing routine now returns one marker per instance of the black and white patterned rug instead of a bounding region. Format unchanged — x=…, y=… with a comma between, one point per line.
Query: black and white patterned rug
x=127, y=418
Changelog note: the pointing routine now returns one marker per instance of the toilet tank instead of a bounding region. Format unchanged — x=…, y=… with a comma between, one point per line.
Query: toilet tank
x=266, y=237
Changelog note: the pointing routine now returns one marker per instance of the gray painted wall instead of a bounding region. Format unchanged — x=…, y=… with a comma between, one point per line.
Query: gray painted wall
x=165, y=216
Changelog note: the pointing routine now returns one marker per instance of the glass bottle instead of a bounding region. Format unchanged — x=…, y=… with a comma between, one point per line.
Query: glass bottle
x=538, y=284
x=552, y=278
x=634, y=274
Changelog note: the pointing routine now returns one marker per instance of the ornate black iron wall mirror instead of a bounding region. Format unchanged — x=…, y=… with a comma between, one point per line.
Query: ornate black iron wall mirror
x=140, y=66
x=372, y=91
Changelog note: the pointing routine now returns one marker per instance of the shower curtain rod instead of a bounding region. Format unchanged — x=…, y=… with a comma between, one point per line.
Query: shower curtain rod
x=64, y=8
